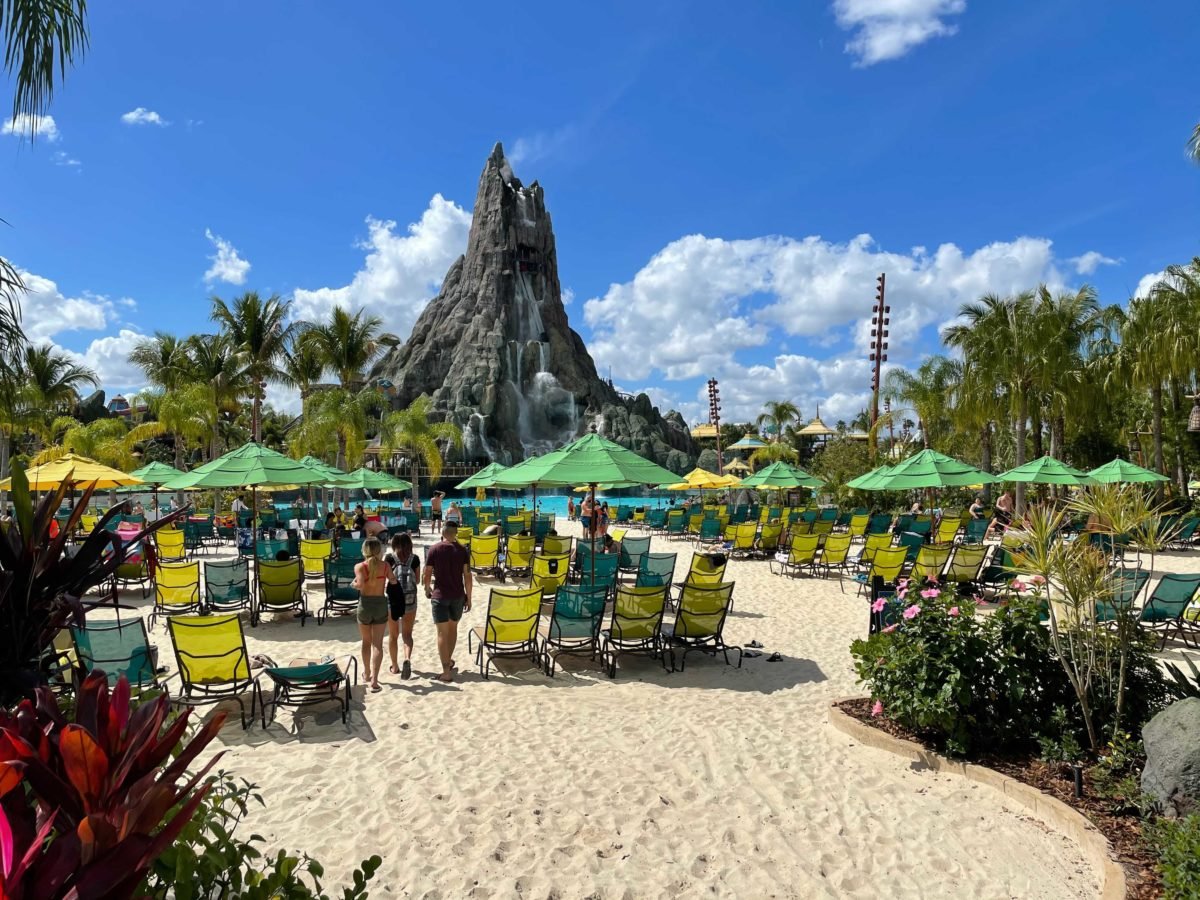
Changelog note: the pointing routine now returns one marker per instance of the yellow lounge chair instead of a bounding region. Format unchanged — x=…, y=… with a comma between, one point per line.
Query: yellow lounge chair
x=700, y=622
x=176, y=589
x=313, y=555
x=636, y=625
x=510, y=629
x=213, y=664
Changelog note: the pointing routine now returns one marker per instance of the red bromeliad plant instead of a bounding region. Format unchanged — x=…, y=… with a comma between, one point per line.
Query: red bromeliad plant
x=87, y=805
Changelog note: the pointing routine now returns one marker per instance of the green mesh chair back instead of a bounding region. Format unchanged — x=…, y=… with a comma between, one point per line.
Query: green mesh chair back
x=975, y=531
x=227, y=585
x=116, y=648
x=710, y=530
x=828, y=514
x=267, y=549
x=809, y=516
x=339, y=581
x=999, y=570
x=921, y=526
x=904, y=523
x=350, y=548
x=1170, y=597
x=470, y=517
x=514, y=525
x=548, y=572
x=656, y=518
x=542, y=526
x=632, y=551
x=656, y=570
x=599, y=570
x=1123, y=586
x=912, y=543
x=578, y=613
x=879, y=523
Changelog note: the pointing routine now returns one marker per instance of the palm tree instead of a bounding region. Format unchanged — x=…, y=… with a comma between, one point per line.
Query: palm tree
x=50, y=383
x=218, y=370
x=186, y=413
x=164, y=360
x=776, y=452
x=778, y=414
x=301, y=369
x=1178, y=293
x=346, y=344
x=108, y=441
x=259, y=332
x=926, y=392
x=340, y=417
x=409, y=430
x=996, y=337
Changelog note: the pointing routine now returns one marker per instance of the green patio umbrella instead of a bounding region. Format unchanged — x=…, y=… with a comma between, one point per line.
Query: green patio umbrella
x=1124, y=472
x=249, y=466
x=929, y=469
x=781, y=475
x=1046, y=470
x=484, y=478
x=154, y=474
x=365, y=479
x=332, y=472
x=864, y=481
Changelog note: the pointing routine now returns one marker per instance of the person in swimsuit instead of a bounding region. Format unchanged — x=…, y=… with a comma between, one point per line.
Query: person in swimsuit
x=402, y=599
x=371, y=577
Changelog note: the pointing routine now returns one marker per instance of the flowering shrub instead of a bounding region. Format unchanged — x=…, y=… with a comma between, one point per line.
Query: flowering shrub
x=965, y=680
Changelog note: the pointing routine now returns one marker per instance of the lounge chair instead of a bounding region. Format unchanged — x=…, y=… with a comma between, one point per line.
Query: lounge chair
x=656, y=570
x=947, y=530
x=548, y=572
x=574, y=624
x=801, y=554
x=485, y=553
x=835, y=554
x=1165, y=610
x=510, y=628
x=134, y=571
x=314, y=554
x=975, y=531
x=193, y=537
x=635, y=625
x=557, y=544
x=226, y=586
x=307, y=685
x=350, y=549
x=176, y=589
x=268, y=549
x=930, y=561
x=632, y=551
x=966, y=563
x=887, y=563
x=518, y=555
x=822, y=526
x=513, y=526
x=117, y=648
x=1124, y=585
x=706, y=569
x=858, y=525
x=743, y=538
x=1185, y=538
x=768, y=540
x=169, y=544
x=700, y=622
x=280, y=589
x=599, y=570
x=213, y=664
x=879, y=523
x=912, y=542
x=341, y=596
x=997, y=573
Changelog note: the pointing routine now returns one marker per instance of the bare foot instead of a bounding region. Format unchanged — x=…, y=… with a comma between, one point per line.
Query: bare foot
x=376, y=688
x=446, y=677
x=392, y=668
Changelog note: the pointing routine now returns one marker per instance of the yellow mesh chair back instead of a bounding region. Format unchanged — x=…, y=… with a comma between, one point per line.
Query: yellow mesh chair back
x=313, y=556
x=768, y=539
x=702, y=610
x=510, y=629
x=519, y=555
x=466, y=535
x=485, y=551
x=823, y=526
x=280, y=589
x=835, y=551
x=87, y=524
x=694, y=523
x=210, y=649
x=875, y=542
x=549, y=572
x=947, y=530
x=744, y=536
x=966, y=562
x=637, y=612
x=555, y=544
x=705, y=571
x=176, y=589
x=169, y=543
x=803, y=549
x=858, y=525
x=618, y=534
x=931, y=559
x=887, y=564
x=800, y=527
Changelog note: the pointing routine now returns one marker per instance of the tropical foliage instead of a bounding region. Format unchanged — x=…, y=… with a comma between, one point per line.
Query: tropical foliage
x=411, y=432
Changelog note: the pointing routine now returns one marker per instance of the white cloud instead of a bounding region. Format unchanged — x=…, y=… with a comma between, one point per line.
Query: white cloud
x=226, y=264
x=46, y=311
x=143, y=116
x=539, y=145
x=401, y=273
x=1092, y=260
x=699, y=300
x=1147, y=283
x=888, y=29
x=108, y=357
x=64, y=159
x=568, y=296
x=26, y=125
x=282, y=399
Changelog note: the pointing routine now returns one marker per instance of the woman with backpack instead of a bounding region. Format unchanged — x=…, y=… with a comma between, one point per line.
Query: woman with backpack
x=402, y=599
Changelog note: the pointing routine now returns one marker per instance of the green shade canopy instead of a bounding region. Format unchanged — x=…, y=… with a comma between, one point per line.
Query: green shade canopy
x=781, y=475
x=152, y=475
x=251, y=465
x=590, y=459
x=1125, y=472
x=865, y=481
x=331, y=472
x=369, y=480
x=748, y=442
x=1046, y=470
x=929, y=469
x=484, y=478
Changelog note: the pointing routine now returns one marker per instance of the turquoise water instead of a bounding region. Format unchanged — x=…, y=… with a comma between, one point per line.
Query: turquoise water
x=550, y=503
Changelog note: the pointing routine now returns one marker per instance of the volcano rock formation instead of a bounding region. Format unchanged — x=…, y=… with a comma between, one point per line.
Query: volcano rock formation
x=497, y=356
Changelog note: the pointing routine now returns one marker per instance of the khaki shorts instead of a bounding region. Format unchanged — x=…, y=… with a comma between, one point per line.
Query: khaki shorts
x=372, y=610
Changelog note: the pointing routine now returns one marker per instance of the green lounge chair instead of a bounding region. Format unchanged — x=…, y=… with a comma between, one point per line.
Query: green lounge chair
x=307, y=685
x=1167, y=607
x=574, y=625
x=226, y=586
x=341, y=596
x=116, y=648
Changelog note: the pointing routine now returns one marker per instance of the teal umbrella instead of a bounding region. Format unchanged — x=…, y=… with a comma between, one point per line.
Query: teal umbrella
x=865, y=481
x=1046, y=470
x=748, y=442
x=1124, y=472
x=781, y=475
x=929, y=469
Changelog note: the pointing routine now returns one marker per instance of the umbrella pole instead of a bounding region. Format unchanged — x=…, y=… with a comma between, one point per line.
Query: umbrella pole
x=592, y=555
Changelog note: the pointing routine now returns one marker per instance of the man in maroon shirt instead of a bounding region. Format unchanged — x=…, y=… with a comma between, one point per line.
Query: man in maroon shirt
x=448, y=565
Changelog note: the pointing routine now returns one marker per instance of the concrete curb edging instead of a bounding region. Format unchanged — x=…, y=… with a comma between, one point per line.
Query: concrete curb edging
x=1051, y=811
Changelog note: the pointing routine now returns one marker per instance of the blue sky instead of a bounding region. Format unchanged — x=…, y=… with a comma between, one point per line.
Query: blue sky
x=713, y=171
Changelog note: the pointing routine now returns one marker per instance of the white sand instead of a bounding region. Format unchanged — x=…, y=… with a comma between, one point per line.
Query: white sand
x=715, y=782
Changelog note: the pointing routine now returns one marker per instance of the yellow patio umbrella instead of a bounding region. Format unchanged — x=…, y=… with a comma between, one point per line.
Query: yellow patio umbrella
x=76, y=469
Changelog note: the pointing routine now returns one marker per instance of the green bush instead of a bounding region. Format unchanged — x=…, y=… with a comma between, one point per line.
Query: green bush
x=1177, y=842
x=969, y=681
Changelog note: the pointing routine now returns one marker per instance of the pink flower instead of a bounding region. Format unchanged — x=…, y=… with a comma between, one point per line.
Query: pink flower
x=1037, y=579
x=932, y=579
x=952, y=611
x=1018, y=584
x=878, y=605
x=912, y=612
x=930, y=593
x=902, y=593
x=889, y=629
x=877, y=710
x=902, y=583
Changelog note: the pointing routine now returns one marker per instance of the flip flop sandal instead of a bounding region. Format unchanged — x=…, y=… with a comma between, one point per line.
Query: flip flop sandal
x=751, y=654
x=774, y=657
x=754, y=645
x=376, y=689
x=406, y=672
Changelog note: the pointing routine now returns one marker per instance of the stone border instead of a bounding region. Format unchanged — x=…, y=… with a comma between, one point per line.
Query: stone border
x=1053, y=812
